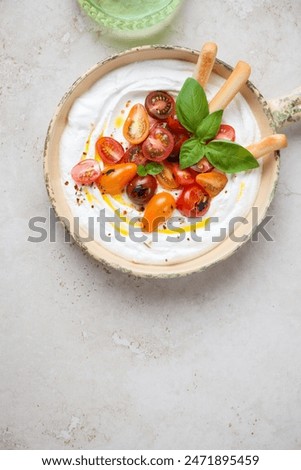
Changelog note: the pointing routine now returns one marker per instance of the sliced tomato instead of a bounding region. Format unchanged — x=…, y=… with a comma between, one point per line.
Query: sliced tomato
x=114, y=178
x=158, y=210
x=158, y=145
x=134, y=155
x=86, y=171
x=193, y=201
x=175, y=126
x=183, y=177
x=153, y=122
x=213, y=182
x=202, y=166
x=109, y=150
x=225, y=132
x=160, y=105
x=166, y=178
x=179, y=140
x=136, y=125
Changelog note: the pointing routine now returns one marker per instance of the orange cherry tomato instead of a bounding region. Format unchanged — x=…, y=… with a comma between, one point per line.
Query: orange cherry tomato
x=213, y=182
x=136, y=126
x=114, y=178
x=158, y=211
x=166, y=178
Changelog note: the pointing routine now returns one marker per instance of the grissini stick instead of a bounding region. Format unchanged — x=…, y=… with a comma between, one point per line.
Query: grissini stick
x=268, y=145
x=205, y=63
x=231, y=87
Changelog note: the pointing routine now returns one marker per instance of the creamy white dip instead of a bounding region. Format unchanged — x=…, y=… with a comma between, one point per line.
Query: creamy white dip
x=102, y=111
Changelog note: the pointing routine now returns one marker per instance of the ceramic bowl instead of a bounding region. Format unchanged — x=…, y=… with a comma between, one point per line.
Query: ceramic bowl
x=269, y=116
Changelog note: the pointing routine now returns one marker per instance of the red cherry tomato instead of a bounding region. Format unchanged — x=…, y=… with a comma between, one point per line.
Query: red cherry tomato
x=109, y=150
x=175, y=126
x=183, y=177
x=193, y=201
x=136, y=126
x=158, y=145
x=134, y=155
x=202, y=166
x=86, y=171
x=179, y=140
x=141, y=189
x=158, y=210
x=160, y=105
x=225, y=132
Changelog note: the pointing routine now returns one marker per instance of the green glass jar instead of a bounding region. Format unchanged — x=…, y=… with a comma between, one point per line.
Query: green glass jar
x=131, y=16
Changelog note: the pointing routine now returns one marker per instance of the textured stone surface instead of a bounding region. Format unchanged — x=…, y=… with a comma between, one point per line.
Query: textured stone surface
x=92, y=358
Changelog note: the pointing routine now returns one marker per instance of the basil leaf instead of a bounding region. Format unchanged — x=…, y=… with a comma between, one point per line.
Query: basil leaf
x=141, y=170
x=230, y=157
x=154, y=168
x=151, y=168
x=191, y=153
x=191, y=105
x=209, y=126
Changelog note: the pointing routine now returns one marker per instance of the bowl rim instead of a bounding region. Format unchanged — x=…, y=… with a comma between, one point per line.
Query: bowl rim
x=161, y=271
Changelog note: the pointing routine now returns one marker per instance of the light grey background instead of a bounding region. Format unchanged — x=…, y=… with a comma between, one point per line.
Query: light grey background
x=92, y=358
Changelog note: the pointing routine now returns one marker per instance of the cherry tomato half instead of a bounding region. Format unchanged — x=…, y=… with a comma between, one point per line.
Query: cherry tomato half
x=166, y=178
x=109, y=150
x=158, y=211
x=114, y=178
x=158, y=145
x=203, y=166
x=225, y=132
x=193, y=201
x=134, y=155
x=183, y=177
x=141, y=189
x=179, y=140
x=160, y=105
x=86, y=171
x=136, y=126
x=213, y=182
x=175, y=126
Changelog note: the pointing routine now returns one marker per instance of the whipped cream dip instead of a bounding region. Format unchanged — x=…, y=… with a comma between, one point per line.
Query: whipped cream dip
x=102, y=110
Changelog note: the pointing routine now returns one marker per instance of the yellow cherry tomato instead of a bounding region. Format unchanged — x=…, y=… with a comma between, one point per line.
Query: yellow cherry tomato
x=213, y=182
x=114, y=178
x=136, y=126
x=158, y=211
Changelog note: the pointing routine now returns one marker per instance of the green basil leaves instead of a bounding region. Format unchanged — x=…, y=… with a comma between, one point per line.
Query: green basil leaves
x=193, y=113
x=151, y=168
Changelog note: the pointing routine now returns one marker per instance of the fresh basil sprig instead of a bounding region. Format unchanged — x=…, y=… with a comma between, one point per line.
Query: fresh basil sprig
x=193, y=113
x=151, y=168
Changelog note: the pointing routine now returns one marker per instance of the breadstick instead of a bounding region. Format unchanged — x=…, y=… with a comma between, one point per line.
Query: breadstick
x=205, y=63
x=268, y=145
x=231, y=87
